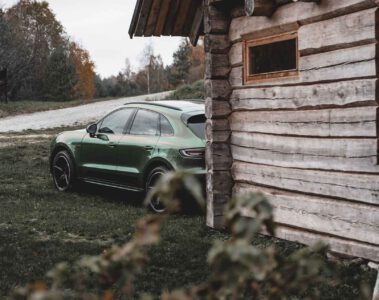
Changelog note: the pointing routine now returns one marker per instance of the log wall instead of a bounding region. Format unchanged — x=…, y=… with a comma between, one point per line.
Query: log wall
x=218, y=109
x=310, y=143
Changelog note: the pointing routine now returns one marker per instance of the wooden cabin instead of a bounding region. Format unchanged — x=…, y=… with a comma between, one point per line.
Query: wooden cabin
x=292, y=108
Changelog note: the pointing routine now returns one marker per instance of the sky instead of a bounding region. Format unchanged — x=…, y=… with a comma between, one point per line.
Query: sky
x=102, y=28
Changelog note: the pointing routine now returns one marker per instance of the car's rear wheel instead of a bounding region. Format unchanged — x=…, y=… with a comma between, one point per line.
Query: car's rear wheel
x=63, y=171
x=155, y=203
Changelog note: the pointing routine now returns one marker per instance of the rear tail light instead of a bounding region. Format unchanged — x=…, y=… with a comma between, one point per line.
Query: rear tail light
x=193, y=153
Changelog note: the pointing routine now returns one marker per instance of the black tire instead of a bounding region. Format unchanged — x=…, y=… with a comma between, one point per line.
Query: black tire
x=63, y=171
x=155, y=204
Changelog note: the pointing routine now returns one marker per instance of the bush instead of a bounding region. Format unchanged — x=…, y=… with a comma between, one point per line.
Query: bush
x=190, y=91
x=239, y=270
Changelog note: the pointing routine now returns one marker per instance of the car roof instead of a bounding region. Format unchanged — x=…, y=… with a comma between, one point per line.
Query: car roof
x=176, y=105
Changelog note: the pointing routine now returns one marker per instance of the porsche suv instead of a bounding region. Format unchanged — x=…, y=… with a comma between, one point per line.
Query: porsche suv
x=131, y=147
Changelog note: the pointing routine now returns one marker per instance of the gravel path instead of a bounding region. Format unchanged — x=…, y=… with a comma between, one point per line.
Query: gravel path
x=79, y=115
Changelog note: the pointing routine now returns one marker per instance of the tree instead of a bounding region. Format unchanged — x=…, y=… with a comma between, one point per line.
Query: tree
x=84, y=68
x=36, y=26
x=60, y=76
x=178, y=72
x=14, y=57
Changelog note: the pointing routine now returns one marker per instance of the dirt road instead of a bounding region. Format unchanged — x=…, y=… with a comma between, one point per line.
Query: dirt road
x=79, y=115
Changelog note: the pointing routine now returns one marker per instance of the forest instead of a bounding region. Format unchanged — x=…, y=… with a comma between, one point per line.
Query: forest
x=44, y=63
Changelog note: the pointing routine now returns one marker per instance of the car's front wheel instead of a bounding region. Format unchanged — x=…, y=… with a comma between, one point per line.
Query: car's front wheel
x=63, y=171
x=155, y=203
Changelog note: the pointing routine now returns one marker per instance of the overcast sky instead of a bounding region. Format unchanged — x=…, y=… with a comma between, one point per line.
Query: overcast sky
x=102, y=28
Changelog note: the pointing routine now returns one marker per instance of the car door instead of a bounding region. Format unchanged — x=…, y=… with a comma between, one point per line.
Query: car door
x=99, y=152
x=137, y=146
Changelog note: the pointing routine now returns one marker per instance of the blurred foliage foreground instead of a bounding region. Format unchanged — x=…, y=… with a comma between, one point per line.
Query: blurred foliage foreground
x=239, y=270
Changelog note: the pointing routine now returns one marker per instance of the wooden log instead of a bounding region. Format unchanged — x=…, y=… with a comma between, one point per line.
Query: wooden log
x=143, y=17
x=215, y=43
x=341, y=32
x=348, y=155
x=216, y=21
x=171, y=17
x=181, y=17
x=351, y=63
x=326, y=95
x=190, y=17
x=235, y=54
x=338, y=245
x=196, y=25
x=217, y=131
x=347, y=122
x=219, y=190
x=163, y=11
x=216, y=66
x=218, y=157
x=217, y=89
x=353, y=221
x=153, y=18
x=304, y=13
x=133, y=23
x=215, y=109
x=354, y=187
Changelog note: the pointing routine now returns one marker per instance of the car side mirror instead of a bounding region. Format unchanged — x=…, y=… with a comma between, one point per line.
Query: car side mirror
x=92, y=130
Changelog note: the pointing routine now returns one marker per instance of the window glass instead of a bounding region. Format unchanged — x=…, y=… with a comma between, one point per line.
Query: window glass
x=115, y=122
x=197, y=125
x=145, y=123
x=273, y=57
x=166, y=128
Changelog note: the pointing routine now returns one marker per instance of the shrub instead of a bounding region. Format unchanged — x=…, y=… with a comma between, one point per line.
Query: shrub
x=239, y=270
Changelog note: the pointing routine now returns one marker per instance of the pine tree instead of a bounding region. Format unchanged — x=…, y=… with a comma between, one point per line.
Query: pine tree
x=60, y=76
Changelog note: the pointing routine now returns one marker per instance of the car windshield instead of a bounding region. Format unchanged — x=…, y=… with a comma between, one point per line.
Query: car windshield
x=197, y=125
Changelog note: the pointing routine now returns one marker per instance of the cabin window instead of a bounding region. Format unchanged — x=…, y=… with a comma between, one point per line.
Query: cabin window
x=272, y=57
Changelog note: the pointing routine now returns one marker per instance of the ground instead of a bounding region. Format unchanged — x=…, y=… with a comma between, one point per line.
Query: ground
x=40, y=227
x=68, y=116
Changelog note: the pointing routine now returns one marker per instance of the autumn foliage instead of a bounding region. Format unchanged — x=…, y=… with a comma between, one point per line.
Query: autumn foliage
x=84, y=70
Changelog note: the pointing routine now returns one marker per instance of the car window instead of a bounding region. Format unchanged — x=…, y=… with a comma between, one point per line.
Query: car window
x=145, y=123
x=115, y=122
x=197, y=125
x=166, y=128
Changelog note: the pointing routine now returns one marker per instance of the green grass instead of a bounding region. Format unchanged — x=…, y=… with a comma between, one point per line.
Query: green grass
x=23, y=107
x=190, y=91
x=40, y=227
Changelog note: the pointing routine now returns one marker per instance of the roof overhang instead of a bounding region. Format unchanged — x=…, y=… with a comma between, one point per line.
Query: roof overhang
x=185, y=17
x=168, y=18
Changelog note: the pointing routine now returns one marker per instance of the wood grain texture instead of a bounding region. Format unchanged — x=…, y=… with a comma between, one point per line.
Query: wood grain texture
x=353, y=221
x=348, y=155
x=339, y=32
x=304, y=13
x=337, y=245
x=216, y=109
x=143, y=17
x=351, y=63
x=326, y=95
x=181, y=17
x=348, y=122
x=218, y=157
x=354, y=187
x=153, y=18
x=216, y=66
x=163, y=12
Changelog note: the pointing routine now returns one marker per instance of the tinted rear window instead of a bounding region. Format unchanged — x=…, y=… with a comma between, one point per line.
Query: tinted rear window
x=197, y=125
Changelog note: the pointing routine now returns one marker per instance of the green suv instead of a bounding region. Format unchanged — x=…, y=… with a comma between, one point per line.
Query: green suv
x=131, y=147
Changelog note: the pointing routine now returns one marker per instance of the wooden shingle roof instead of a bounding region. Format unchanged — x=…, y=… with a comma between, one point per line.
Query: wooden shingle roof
x=168, y=18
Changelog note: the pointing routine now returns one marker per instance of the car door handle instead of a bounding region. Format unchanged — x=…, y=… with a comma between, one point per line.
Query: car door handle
x=148, y=148
x=111, y=145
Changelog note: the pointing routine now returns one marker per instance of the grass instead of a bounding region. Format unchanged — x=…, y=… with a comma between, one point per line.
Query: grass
x=40, y=227
x=190, y=91
x=24, y=107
